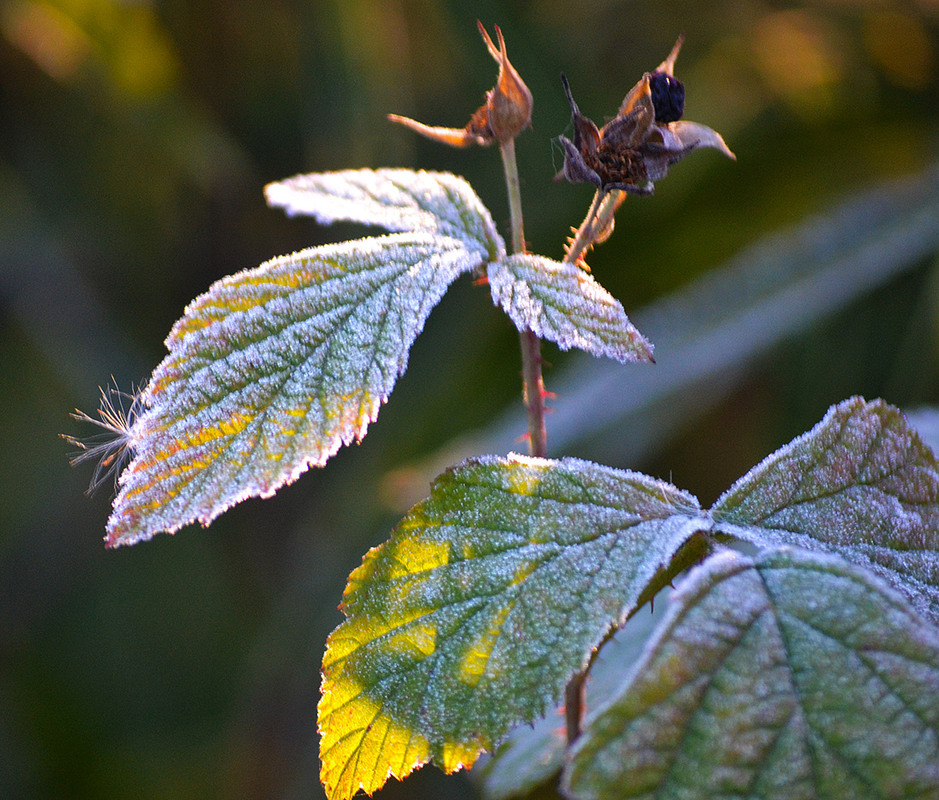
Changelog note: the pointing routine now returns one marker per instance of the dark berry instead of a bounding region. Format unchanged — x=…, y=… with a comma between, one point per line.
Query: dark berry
x=668, y=97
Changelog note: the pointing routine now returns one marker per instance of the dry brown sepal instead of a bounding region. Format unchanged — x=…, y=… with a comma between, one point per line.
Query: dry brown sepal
x=504, y=115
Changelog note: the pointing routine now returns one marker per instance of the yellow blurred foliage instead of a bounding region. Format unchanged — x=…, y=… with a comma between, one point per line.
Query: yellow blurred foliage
x=64, y=37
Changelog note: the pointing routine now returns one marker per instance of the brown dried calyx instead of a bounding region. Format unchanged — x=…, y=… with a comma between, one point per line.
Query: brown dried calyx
x=504, y=115
x=646, y=137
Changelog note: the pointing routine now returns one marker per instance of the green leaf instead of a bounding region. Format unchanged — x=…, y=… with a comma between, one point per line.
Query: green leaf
x=796, y=676
x=489, y=595
x=861, y=484
x=273, y=370
x=394, y=199
x=562, y=302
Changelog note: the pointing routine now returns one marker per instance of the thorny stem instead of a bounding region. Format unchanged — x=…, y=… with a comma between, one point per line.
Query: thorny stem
x=594, y=229
x=597, y=225
x=533, y=391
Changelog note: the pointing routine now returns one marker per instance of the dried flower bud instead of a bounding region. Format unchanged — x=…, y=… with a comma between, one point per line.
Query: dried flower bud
x=504, y=115
x=508, y=105
x=646, y=137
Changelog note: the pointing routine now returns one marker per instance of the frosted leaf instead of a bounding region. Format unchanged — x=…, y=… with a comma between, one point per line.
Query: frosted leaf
x=395, y=199
x=488, y=596
x=273, y=370
x=562, y=302
x=794, y=677
x=861, y=484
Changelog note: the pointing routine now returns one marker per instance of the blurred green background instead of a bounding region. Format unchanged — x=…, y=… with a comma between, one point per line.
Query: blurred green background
x=135, y=140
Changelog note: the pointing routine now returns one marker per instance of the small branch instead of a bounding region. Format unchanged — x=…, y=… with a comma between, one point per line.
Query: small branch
x=597, y=225
x=533, y=391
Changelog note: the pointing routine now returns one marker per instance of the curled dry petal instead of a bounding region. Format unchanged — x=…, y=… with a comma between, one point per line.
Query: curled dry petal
x=504, y=115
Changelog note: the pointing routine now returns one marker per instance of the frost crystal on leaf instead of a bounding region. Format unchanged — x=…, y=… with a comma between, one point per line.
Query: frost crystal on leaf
x=561, y=302
x=861, y=484
x=487, y=598
x=394, y=199
x=275, y=368
x=794, y=676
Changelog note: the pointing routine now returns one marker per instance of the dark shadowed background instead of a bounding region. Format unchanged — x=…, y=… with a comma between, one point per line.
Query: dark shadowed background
x=135, y=141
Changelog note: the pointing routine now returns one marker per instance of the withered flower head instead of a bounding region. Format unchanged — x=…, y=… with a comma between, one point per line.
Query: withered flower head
x=504, y=115
x=646, y=137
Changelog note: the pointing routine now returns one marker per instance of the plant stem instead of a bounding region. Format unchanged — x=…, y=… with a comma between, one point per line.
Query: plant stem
x=574, y=705
x=597, y=225
x=510, y=166
x=533, y=391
